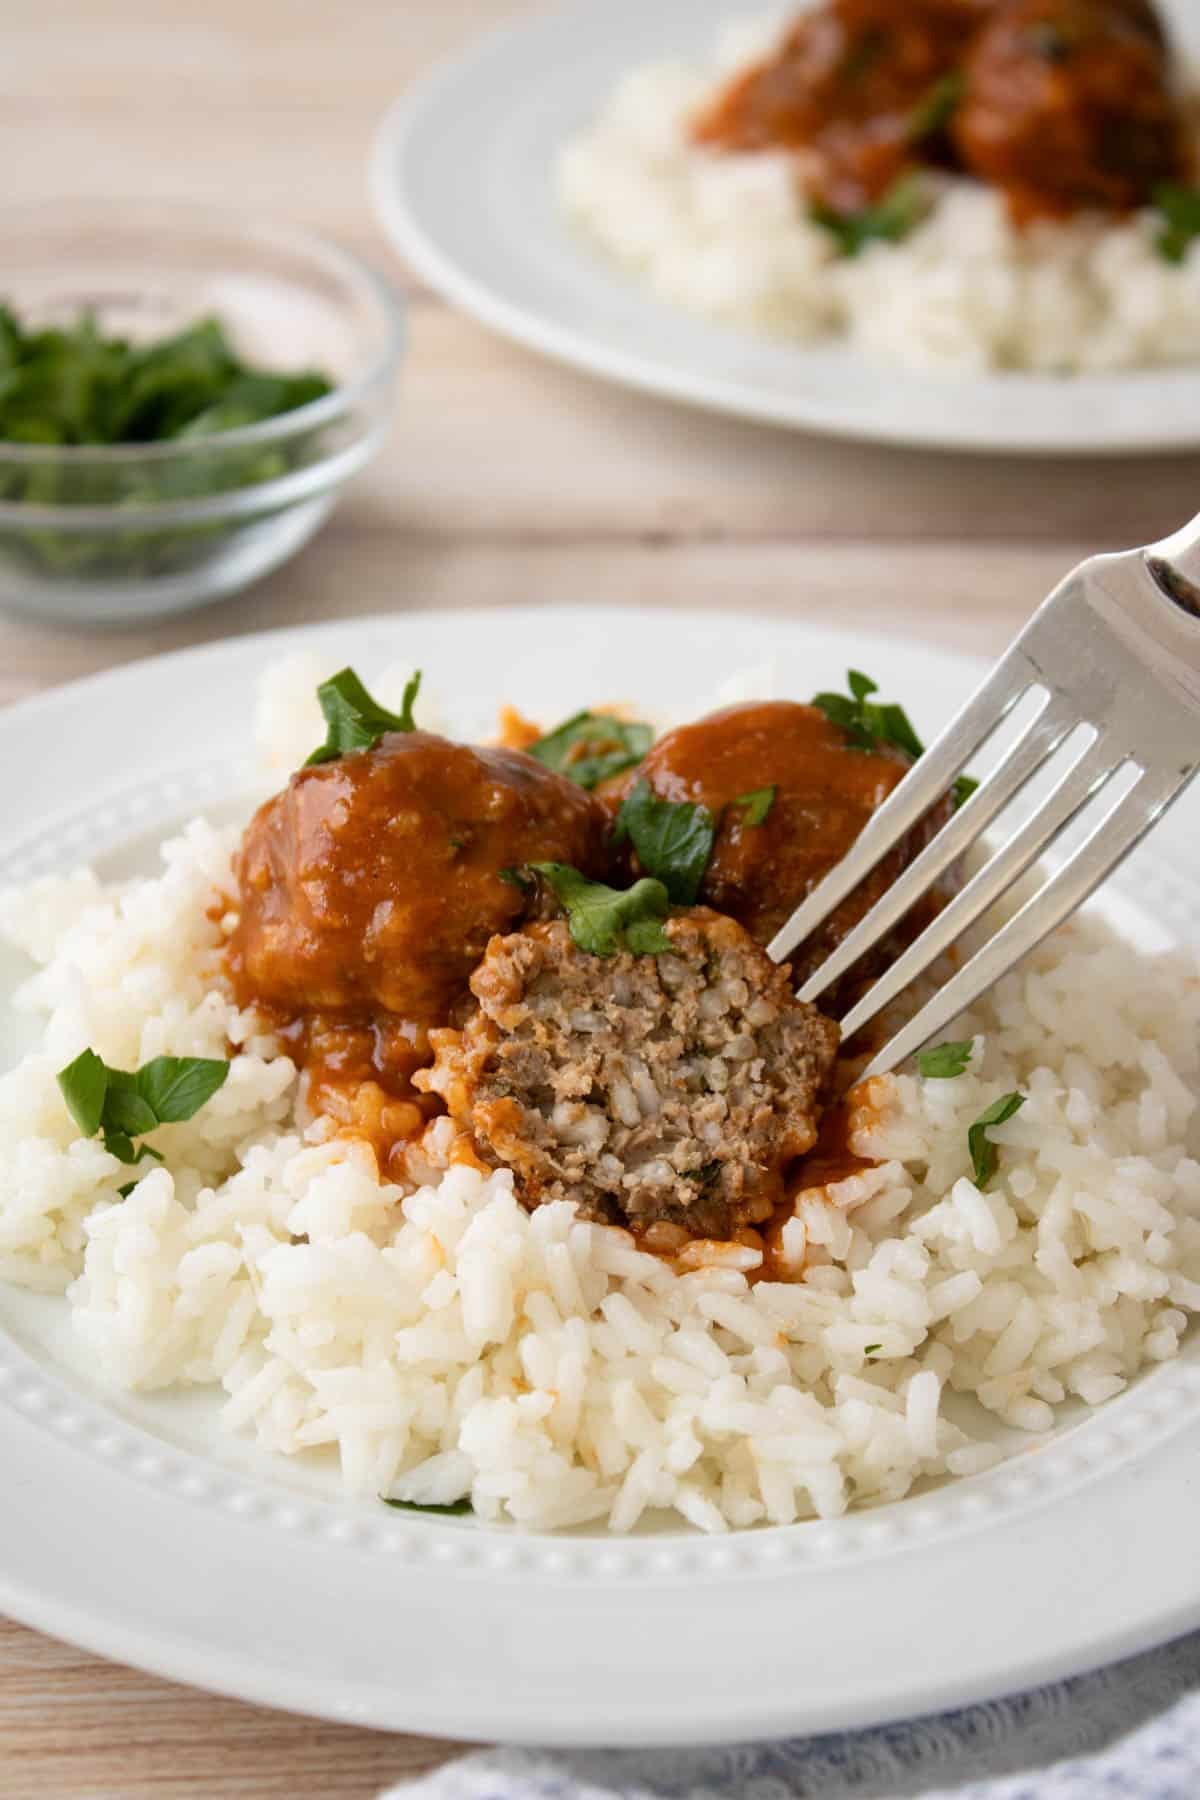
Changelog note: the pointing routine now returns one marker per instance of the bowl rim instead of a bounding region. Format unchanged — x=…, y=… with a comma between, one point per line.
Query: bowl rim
x=174, y=217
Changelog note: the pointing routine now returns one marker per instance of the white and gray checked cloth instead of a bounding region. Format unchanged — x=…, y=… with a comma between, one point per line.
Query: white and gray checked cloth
x=1129, y=1732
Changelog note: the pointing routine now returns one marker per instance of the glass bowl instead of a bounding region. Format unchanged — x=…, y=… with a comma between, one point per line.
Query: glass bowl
x=121, y=532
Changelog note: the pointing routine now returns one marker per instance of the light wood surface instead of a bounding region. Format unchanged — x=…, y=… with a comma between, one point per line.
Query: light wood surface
x=506, y=480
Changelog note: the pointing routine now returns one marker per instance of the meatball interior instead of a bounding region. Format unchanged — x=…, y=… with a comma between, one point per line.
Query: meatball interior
x=674, y=1088
x=370, y=886
x=825, y=792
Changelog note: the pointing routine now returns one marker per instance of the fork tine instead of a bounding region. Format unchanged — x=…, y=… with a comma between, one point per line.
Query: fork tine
x=1008, y=683
x=1116, y=834
x=1041, y=739
x=1091, y=770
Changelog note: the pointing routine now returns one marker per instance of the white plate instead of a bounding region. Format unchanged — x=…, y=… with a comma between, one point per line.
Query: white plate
x=128, y=1525
x=462, y=179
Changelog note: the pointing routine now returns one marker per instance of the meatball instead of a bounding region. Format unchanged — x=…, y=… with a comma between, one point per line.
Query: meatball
x=370, y=886
x=1068, y=105
x=825, y=791
x=845, y=87
x=668, y=1088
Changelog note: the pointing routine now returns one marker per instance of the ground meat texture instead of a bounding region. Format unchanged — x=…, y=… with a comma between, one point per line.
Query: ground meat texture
x=844, y=88
x=368, y=888
x=1068, y=105
x=825, y=791
x=644, y=1088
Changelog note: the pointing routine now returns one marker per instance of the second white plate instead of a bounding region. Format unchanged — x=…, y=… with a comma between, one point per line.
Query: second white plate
x=462, y=179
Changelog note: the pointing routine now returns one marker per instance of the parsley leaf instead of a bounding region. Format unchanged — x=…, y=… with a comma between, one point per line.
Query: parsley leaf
x=124, y=1109
x=673, y=839
x=454, y=1508
x=174, y=1088
x=74, y=385
x=589, y=747
x=122, y=1105
x=945, y=1061
x=122, y=1146
x=604, y=920
x=83, y=1085
x=1179, y=208
x=889, y=221
x=868, y=723
x=938, y=107
x=1048, y=40
x=77, y=385
x=516, y=878
x=983, y=1151
x=355, y=720
x=758, y=803
x=871, y=1349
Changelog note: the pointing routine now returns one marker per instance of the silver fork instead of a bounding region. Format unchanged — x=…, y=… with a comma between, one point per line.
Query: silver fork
x=1116, y=648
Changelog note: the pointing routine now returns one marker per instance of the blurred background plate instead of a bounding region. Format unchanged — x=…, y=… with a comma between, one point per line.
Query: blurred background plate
x=462, y=179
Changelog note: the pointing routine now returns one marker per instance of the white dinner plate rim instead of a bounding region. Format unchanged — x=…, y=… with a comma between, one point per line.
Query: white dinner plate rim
x=246, y=1538
x=415, y=235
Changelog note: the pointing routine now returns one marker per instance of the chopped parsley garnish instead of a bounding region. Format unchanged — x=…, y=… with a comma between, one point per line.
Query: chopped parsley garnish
x=983, y=1151
x=937, y=108
x=945, y=1061
x=589, y=747
x=453, y=1508
x=673, y=839
x=757, y=803
x=75, y=384
x=868, y=723
x=871, y=1349
x=1179, y=208
x=1049, y=41
x=604, y=920
x=517, y=878
x=888, y=222
x=355, y=720
x=122, y=1105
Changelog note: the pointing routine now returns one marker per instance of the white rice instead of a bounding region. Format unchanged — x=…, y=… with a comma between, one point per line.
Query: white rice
x=728, y=237
x=442, y=1341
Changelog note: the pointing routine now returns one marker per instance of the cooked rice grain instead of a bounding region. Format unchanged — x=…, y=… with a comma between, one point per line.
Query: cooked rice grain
x=445, y=1341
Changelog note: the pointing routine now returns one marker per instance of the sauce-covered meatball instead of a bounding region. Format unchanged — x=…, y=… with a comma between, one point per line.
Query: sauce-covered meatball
x=370, y=886
x=658, y=1089
x=1067, y=104
x=848, y=87
x=825, y=791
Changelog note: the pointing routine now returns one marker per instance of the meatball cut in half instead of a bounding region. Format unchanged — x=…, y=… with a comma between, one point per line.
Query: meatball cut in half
x=371, y=885
x=672, y=1087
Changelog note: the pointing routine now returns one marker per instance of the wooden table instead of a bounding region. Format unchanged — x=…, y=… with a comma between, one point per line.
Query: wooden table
x=506, y=479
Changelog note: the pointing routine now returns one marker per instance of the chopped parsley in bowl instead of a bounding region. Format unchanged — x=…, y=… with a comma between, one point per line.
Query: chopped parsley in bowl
x=182, y=396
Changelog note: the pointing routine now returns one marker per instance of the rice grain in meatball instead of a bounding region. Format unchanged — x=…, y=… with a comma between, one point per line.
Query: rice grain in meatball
x=670, y=1088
